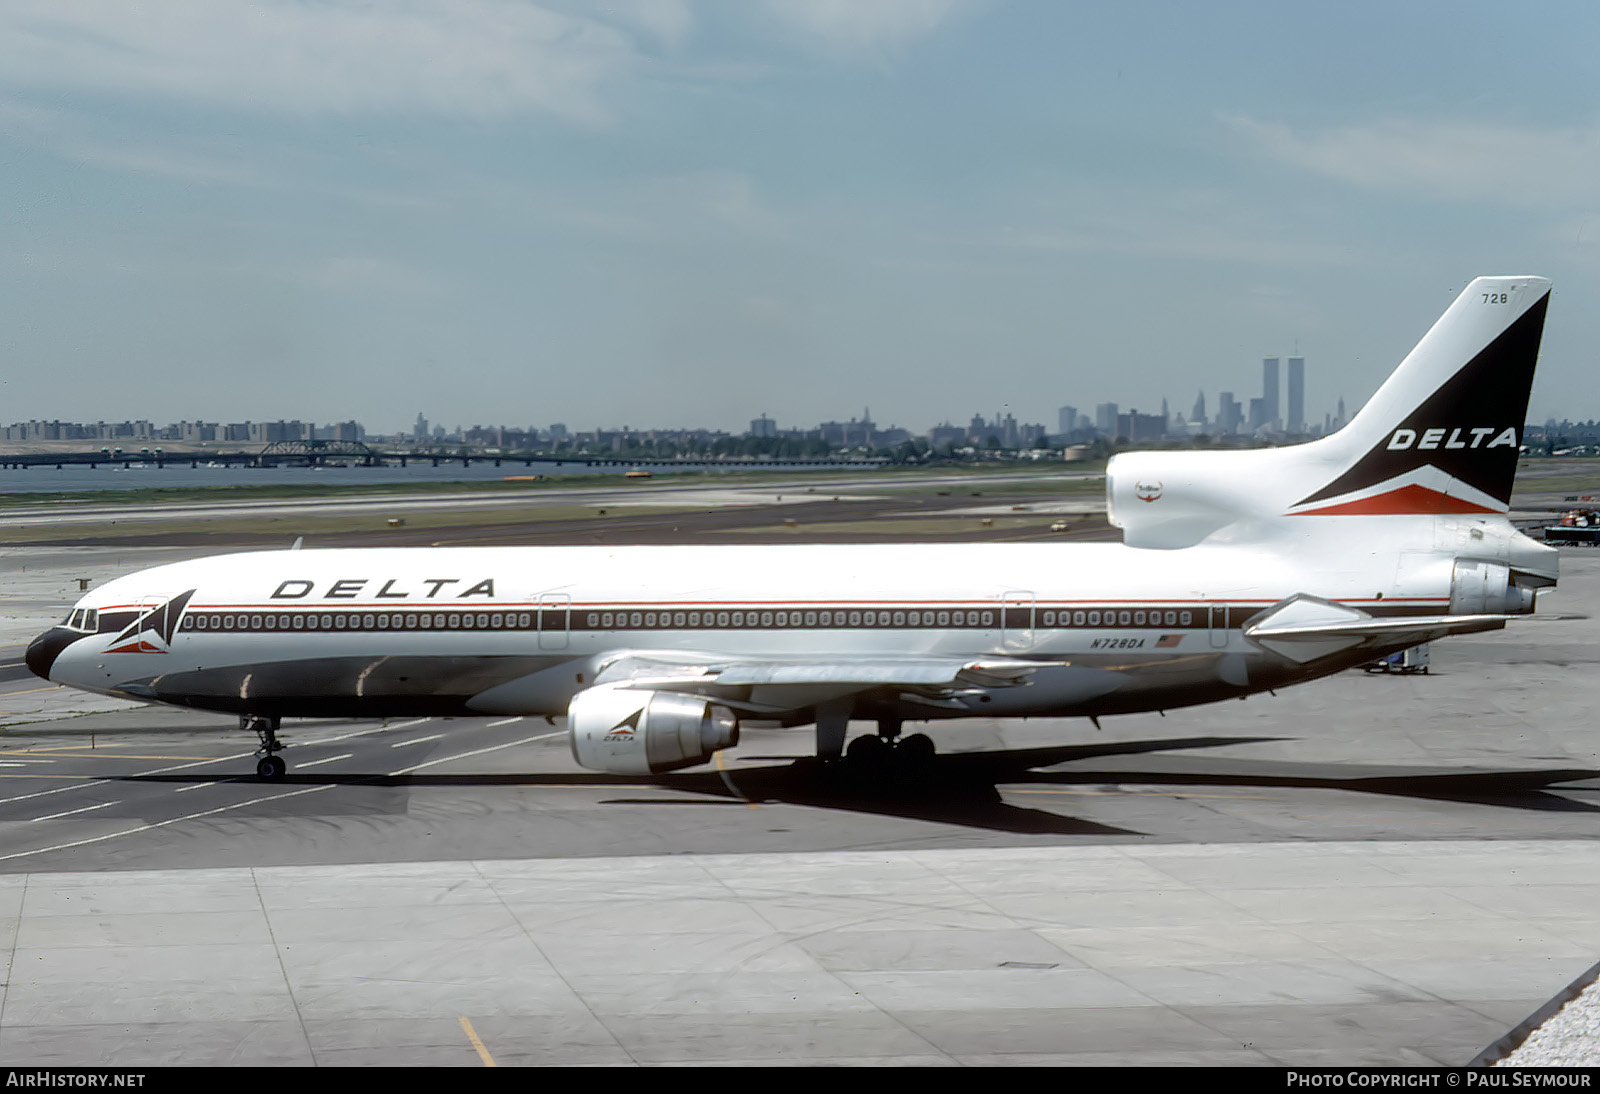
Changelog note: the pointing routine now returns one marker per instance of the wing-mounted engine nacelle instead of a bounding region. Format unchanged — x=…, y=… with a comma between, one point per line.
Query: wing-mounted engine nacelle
x=630, y=731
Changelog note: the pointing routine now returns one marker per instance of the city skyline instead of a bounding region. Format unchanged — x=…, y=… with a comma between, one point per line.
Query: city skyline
x=691, y=211
x=1220, y=423
x=1004, y=427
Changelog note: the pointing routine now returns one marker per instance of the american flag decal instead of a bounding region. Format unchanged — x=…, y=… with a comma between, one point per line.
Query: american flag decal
x=1167, y=641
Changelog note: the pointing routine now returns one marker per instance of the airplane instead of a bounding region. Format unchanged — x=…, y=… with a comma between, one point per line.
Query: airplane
x=1240, y=571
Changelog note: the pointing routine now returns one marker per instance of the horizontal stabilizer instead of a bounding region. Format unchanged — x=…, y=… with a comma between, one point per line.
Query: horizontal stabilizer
x=1304, y=628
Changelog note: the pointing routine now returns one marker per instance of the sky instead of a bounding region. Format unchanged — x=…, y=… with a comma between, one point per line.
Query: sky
x=690, y=213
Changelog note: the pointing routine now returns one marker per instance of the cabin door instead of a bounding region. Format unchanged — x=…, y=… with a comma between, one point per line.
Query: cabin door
x=1016, y=620
x=555, y=620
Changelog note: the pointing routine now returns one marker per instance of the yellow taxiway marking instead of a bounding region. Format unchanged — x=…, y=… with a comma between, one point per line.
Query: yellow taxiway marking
x=30, y=691
x=722, y=770
x=477, y=1043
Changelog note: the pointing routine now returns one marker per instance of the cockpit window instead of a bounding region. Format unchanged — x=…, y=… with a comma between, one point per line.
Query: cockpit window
x=83, y=619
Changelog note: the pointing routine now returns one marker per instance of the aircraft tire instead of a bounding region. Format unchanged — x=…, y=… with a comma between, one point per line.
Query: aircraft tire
x=868, y=752
x=914, y=752
x=271, y=768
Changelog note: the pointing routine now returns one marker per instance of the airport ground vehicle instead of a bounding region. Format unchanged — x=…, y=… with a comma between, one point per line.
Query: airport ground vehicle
x=1406, y=662
x=1577, y=527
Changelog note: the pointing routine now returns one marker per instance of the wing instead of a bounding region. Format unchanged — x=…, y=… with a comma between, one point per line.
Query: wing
x=770, y=685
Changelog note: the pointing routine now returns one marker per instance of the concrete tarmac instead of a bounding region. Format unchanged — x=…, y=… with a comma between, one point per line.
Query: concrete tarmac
x=1408, y=953
x=1369, y=869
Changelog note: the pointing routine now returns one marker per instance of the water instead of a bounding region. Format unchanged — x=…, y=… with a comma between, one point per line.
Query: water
x=178, y=474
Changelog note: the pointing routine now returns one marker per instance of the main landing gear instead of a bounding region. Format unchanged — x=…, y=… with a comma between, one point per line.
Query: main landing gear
x=887, y=752
x=270, y=766
x=883, y=753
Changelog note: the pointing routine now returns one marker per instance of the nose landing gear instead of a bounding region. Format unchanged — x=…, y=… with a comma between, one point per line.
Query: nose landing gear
x=270, y=766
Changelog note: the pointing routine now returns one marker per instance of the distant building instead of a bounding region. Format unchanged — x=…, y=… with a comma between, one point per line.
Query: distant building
x=763, y=427
x=1105, y=419
x=1270, y=406
x=1296, y=422
x=847, y=434
x=275, y=432
x=1141, y=428
x=1066, y=420
x=1229, y=416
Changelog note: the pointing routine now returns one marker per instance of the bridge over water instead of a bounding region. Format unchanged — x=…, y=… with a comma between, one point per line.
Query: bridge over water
x=359, y=454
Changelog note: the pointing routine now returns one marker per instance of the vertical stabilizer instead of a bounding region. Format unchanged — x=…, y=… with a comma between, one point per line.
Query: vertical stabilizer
x=1443, y=433
x=1440, y=438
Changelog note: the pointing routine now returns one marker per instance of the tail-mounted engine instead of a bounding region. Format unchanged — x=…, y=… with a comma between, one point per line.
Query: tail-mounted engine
x=1484, y=586
x=629, y=731
x=1177, y=499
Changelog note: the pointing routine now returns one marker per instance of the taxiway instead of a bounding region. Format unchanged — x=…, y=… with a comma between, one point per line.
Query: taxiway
x=1367, y=869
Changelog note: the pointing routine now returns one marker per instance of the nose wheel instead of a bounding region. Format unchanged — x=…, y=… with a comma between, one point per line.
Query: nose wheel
x=269, y=765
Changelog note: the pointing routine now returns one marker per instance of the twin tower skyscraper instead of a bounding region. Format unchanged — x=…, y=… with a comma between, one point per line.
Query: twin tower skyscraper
x=1268, y=409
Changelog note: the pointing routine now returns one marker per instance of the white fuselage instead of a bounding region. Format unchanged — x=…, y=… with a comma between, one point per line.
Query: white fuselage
x=395, y=631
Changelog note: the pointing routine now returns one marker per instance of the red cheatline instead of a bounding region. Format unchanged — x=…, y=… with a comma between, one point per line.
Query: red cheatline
x=1413, y=500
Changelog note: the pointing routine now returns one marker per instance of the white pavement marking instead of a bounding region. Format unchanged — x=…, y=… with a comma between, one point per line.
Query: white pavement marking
x=72, y=812
x=135, y=775
x=364, y=732
x=201, y=763
x=477, y=752
x=417, y=741
x=324, y=760
x=160, y=824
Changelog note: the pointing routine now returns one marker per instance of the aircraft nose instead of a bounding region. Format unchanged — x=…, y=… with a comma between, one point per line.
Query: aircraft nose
x=43, y=651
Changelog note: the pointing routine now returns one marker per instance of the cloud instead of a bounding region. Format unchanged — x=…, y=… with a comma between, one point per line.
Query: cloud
x=863, y=25
x=439, y=57
x=168, y=164
x=1450, y=160
x=695, y=206
x=1177, y=226
x=668, y=21
x=365, y=274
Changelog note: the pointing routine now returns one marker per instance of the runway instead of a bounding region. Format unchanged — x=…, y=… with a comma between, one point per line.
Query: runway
x=1367, y=869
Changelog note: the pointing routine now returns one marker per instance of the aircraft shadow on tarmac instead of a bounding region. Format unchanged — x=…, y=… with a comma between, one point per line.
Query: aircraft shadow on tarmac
x=964, y=788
